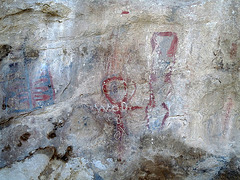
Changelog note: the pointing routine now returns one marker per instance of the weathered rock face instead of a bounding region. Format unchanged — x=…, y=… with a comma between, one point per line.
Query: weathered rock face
x=120, y=89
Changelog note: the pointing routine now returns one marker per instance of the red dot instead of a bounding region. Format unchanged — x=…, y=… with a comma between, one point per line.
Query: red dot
x=125, y=12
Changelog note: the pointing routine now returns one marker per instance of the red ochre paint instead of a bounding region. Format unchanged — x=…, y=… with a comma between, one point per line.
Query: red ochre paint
x=151, y=103
x=166, y=115
x=125, y=12
x=41, y=94
x=233, y=52
x=44, y=88
x=168, y=77
x=42, y=97
x=119, y=107
x=41, y=81
x=227, y=115
x=173, y=48
x=170, y=53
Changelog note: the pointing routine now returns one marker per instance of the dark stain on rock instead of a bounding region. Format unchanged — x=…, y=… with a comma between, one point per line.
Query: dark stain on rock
x=64, y=51
x=68, y=153
x=167, y=141
x=230, y=171
x=6, y=148
x=161, y=169
x=54, y=9
x=53, y=154
x=5, y=122
x=13, y=138
x=19, y=144
x=228, y=174
x=31, y=53
x=175, y=166
x=47, y=9
x=51, y=135
x=4, y=106
x=46, y=173
x=4, y=51
x=84, y=49
x=58, y=125
x=25, y=136
x=22, y=11
x=65, y=157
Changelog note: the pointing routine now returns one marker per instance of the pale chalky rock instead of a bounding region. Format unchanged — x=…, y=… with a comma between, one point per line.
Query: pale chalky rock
x=116, y=89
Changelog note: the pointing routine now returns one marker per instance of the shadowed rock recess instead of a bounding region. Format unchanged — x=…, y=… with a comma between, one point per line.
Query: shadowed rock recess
x=120, y=90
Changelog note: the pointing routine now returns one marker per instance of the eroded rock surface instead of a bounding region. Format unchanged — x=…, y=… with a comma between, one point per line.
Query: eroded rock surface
x=119, y=89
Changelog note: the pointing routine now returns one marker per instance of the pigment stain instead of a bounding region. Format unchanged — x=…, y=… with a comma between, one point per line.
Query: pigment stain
x=25, y=136
x=125, y=12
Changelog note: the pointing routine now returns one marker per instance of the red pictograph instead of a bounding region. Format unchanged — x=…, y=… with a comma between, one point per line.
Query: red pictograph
x=164, y=44
x=119, y=101
x=173, y=47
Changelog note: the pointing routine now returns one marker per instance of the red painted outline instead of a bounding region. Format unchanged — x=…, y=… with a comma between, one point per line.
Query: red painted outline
x=229, y=107
x=166, y=115
x=233, y=52
x=173, y=48
x=170, y=53
x=120, y=129
x=106, y=93
x=125, y=12
x=118, y=111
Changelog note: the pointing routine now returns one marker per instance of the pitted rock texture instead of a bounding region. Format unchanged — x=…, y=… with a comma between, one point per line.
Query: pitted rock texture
x=116, y=89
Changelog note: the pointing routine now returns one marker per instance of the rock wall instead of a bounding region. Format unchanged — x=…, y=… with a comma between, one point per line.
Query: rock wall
x=114, y=89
